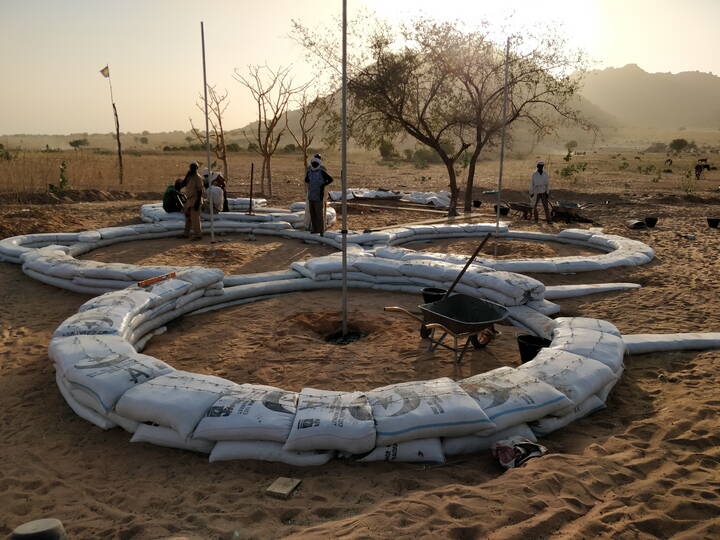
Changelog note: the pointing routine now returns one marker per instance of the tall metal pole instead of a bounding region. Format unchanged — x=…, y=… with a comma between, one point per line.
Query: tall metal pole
x=252, y=175
x=343, y=159
x=502, y=139
x=207, y=136
x=117, y=129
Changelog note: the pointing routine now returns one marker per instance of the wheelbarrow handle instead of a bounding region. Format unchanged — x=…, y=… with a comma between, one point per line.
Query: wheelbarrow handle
x=399, y=309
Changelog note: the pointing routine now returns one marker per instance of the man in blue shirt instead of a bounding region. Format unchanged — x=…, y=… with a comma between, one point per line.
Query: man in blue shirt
x=316, y=178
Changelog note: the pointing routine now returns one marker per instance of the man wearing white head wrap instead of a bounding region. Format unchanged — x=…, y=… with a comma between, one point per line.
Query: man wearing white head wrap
x=540, y=191
x=316, y=177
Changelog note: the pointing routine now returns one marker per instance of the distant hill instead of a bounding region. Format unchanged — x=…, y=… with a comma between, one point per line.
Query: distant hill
x=656, y=100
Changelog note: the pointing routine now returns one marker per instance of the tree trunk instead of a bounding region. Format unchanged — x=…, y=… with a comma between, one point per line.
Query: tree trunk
x=471, y=180
x=269, y=177
x=452, y=209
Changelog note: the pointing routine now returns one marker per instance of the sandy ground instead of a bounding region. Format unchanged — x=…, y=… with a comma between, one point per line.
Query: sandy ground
x=645, y=467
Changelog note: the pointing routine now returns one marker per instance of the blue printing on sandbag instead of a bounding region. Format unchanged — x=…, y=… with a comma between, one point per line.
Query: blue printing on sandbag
x=426, y=426
x=529, y=407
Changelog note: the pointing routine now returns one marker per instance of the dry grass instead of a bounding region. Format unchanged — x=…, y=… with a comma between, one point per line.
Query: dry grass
x=31, y=172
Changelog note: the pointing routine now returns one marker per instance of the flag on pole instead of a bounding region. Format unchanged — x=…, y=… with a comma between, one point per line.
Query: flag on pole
x=105, y=72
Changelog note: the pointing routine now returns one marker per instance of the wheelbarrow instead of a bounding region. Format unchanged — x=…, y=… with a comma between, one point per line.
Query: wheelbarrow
x=469, y=321
x=569, y=211
x=520, y=208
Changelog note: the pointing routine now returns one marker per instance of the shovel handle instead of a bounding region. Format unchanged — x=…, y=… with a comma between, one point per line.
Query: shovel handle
x=467, y=264
x=399, y=309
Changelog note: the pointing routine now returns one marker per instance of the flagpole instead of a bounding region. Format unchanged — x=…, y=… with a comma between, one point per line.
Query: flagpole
x=207, y=137
x=502, y=140
x=343, y=173
x=117, y=123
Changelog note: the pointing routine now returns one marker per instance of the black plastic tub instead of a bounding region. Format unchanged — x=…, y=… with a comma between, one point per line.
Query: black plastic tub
x=477, y=203
x=529, y=346
x=651, y=221
x=433, y=294
x=504, y=210
x=713, y=222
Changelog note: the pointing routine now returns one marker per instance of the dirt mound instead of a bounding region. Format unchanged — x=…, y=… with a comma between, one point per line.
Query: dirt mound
x=76, y=195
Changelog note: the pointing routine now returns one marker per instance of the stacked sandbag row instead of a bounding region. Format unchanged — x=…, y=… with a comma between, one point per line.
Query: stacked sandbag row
x=439, y=199
x=620, y=252
x=242, y=204
x=413, y=233
x=505, y=288
x=264, y=217
x=107, y=382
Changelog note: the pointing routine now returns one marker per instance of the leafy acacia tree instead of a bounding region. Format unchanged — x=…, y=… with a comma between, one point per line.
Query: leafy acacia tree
x=541, y=91
x=678, y=145
x=272, y=90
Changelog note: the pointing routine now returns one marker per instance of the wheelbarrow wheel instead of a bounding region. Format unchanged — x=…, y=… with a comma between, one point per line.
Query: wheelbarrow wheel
x=476, y=342
x=425, y=331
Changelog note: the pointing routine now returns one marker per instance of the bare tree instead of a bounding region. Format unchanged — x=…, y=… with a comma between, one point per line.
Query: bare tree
x=271, y=90
x=310, y=111
x=217, y=104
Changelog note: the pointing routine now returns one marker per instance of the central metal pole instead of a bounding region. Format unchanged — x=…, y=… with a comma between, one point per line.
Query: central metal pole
x=343, y=159
x=207, y=136
x=502, y=140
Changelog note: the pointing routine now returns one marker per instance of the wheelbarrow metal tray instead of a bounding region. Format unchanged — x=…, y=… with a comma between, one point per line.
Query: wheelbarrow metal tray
x=462, y=314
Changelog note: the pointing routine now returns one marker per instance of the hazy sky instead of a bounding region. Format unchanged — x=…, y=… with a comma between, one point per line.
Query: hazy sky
x=52, y=50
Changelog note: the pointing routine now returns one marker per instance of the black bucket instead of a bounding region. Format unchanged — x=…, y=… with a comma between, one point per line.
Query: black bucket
x=504, y=210
x=477, y=203
x=651, y=221
x=433, y=294
x=713, y=222
x=529, y=346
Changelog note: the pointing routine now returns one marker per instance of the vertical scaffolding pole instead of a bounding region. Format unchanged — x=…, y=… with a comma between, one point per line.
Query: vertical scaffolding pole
x=343, y=159
x=502, y=140
x=207, y=136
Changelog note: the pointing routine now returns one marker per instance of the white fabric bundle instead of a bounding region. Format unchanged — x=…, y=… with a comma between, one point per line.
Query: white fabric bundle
x=250, y=412
x=178, y=400
x=469, y=444
x=163, y=436
x=267, y=451
x=578, y=377
x=327, y=420
x=425, y=409
x=509, y=396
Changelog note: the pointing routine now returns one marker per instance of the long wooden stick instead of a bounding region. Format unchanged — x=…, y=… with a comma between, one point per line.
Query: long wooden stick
x=467, y=264
x=252, y=174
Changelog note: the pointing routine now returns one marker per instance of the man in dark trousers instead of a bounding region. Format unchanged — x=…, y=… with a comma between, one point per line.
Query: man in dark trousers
x=194, y=193
x=316, y=178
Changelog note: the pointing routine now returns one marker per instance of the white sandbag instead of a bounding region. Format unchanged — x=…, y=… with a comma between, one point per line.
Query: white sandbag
x=200, y=277
x=67, y=351
x=603, y=347
x=128, y=425
x=117, y=271
x=267, y=451
x=509, y=396
x=116, y=232
x=417, y=451
x=694, y=341
x=190, y=297
x=178, y=400
x=101, y=320
x=62, y=283
x=328, y=420
x=531, y=319
x=250, y=412
x=134, y=301
x=544, y=307
x=89, y=236
x=99, y=382
x=213, y=292
x=469, y=444
x=142, y=273
x=425, y=409
x=578, y=377
x=554, y=292
x=605, y=390
x=576, y=234
x=590, y=324
x=547, y=425
x=164, y=291
x=376, y=266
x=83, y=412
x=355, y=276
x=262, y=277
x=107, y=284
x=163, y=436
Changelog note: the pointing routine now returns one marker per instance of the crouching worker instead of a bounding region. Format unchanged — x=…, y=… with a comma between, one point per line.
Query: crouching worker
x=173, y=199
x=219, y=180
x=194, y=193
x=215, y=197
x=316, y=178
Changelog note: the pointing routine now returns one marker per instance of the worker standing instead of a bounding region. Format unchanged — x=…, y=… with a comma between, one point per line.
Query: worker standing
x=316, y=177
x=194, y=192
x=540, y=191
